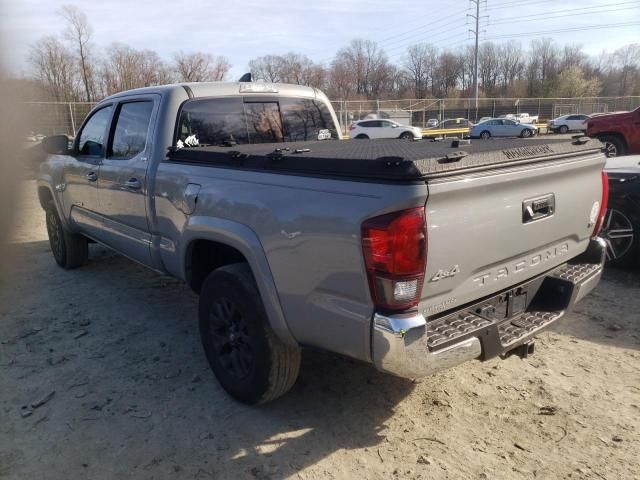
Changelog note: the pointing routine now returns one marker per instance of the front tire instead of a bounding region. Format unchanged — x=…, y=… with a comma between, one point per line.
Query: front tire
x=485, y=135
x=251, y=363
x=621, y=237
x=613, y=146
x=526, y=133
x=362, y=136
x=70, y=250
x=406, y=136
x=563, y=129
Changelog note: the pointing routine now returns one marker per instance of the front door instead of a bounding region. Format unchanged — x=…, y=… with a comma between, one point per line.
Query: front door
x=80, y=195
x=122, y=184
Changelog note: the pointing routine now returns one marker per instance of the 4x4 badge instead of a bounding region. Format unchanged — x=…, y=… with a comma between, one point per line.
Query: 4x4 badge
x=445, y=274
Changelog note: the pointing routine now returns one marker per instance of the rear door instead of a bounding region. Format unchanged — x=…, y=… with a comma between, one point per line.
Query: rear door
x=80, y=196
x=122, y=186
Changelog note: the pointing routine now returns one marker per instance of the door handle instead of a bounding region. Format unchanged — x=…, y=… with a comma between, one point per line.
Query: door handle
x=133, y=184
x=92, y=176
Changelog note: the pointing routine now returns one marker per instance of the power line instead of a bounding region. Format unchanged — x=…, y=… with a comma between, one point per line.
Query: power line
x=563, y=30
x=516, y=4
x=549, y=15
x=422, y=27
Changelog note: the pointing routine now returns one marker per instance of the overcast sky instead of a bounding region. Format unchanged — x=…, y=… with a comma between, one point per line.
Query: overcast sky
x=245, y=29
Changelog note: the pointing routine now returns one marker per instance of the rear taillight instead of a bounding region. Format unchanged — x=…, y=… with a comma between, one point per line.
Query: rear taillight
x=352, y=126
x=603, y=204
x=395, y=255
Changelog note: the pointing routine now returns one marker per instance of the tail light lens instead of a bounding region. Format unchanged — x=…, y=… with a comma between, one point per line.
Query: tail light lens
x=395, y=255
x=603, y=204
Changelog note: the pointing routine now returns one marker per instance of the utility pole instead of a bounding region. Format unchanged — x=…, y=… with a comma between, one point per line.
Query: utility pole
x=476, y=32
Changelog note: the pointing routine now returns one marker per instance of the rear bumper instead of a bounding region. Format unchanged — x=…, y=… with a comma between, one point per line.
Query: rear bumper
x=408, y=346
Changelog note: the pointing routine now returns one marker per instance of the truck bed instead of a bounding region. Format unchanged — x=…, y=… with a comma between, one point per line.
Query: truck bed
x=388, y=160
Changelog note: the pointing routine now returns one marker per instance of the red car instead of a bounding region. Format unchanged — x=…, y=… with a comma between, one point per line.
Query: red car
x=620, y=132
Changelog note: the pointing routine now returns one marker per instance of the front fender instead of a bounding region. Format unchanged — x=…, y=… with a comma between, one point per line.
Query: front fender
x=245, y=240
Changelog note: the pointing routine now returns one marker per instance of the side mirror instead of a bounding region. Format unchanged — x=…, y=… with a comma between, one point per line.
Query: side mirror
x=56, y=145
x=394, y=126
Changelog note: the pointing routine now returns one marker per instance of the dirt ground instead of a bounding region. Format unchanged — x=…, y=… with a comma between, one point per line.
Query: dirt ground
x=102, y=376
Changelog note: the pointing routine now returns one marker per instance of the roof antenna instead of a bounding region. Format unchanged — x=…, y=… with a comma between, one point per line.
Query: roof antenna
x=246, y=77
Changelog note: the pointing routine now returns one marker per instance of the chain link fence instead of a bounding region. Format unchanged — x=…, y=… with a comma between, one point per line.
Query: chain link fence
x=52, y=118
x=419, y=112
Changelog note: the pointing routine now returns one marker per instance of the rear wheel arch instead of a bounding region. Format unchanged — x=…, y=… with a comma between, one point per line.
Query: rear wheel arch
x=219, y=243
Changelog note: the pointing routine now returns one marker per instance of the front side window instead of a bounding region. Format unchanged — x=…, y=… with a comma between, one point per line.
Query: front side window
x=92, y=137
x=132, y=125
x=508, y=122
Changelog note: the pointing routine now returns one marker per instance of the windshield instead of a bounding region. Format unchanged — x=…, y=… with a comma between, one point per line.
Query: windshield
x=218, y=121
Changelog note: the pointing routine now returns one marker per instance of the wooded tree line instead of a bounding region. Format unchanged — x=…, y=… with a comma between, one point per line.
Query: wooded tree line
x=69, y=67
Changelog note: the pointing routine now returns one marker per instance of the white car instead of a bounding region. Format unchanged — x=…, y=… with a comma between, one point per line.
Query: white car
x=365, y=129
x=521, y=117
x=568, y=123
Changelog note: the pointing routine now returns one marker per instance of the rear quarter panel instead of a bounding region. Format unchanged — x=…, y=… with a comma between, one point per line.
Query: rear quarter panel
x=309, y=230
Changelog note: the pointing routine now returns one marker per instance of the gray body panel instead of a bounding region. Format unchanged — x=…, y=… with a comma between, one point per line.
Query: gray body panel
x=301, y=234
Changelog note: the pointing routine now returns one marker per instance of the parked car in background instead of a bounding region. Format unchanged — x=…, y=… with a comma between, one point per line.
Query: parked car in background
x=521, y=117
x=620, y=132
x=569, y=123
x=432, y=122
x=484, y=119
x=621, y=225
x=502, y=127
x=461, y=124
x=373, y=129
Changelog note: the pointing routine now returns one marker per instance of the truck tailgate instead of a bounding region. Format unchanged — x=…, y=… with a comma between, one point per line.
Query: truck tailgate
x=492, y=230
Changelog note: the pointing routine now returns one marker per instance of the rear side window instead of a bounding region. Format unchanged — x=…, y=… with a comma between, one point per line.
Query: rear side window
x=92, y=137
x=215, y=121
x=132, y=125
x=306, y=119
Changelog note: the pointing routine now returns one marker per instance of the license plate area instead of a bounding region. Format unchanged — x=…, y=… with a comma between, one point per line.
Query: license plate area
x=506, y=305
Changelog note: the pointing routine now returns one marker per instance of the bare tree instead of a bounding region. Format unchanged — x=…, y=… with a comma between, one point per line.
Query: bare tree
x=628, y=61
x=510, y=63
x=125, y=68
x=419, y=67
x=266, y=68
x=79, y=32
x=54, y=67
x=200, y=67
x=488, y=66
x=369, y=66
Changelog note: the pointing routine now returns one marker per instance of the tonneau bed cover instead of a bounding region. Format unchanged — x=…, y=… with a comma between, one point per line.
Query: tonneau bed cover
x=389, y=160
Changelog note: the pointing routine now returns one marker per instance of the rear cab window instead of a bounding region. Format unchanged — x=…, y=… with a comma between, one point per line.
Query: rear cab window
x=219, y=121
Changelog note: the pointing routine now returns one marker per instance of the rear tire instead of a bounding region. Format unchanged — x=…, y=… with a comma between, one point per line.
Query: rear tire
x=362, y=136
x=251, y=363
x=563, y=129
x=613, y=146
x=485, y=135
x=70, y=250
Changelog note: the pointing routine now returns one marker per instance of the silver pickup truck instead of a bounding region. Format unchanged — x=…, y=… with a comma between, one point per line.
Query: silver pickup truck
x=414, y=256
